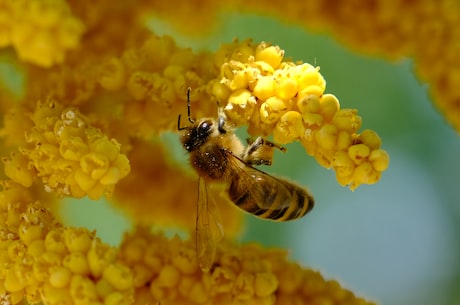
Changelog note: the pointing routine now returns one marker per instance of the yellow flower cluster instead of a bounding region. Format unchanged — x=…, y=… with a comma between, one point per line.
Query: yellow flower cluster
x=257, y=87
x=426, y=31
x=45, y=262
x=155, y=76
x=166, y=271
x=67, y=154
x=41, y=31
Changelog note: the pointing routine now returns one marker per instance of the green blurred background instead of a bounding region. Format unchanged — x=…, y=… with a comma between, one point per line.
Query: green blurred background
x=395, y=242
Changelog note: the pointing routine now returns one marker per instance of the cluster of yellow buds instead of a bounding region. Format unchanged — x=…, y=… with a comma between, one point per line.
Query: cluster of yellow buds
x=155, y=76
x=46, y=262
x=41, y=260
x=167, y=271
x=40, y=31
x=286, y=99
x=70, y=157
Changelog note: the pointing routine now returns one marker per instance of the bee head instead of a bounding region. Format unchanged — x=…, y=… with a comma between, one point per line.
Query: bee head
x=197, y=134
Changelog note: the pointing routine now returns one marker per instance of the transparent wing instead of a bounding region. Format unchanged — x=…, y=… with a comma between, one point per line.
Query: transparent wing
x=260, y=186
x=208, y=227
x=266, y=196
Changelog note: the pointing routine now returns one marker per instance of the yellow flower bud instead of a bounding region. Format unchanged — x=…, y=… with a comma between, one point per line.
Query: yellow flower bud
x=78, y=239
x=272, y=109
x=59, y=277
x=329, y=106
x=364, y=174
x=99, y=256
x=99, y=190
x=102, y=145
x=84, y=181
x=342, y=164
x=16, y=168
x=265, y=284
x=347, y=119
x=103, y=288
x=312, y=119
x=83, y=289
x=119, y=276
x=36, y=248
x=141, y=275
x=269, y=54
x=240, y=106
x=112, y=176
x=264, y=68
x=309, y=103
x=264, y=88
x=344, y=180
x=156, y=291
x=307, y=75
x=290, y=279
x=326, y=136
x=358, y=153
x=76, y=263
x=289, y=127
x=324, y=157
x=370, y=138
x=117, y=298
x=344, y=140
x=54, y=242
x=185, y=261
x=238, y=81
x=140, y=85
x=241, y=97
x=12, y=282
x=169, y=276
x=198, y=293
x=285, y=85
x=222, y=279
x=243, y=51
x=28, y=232
x=379, y=159
x=220, y=91
x=311, y=90
x=94, y=164
x=73, y=148
x=244, y=285
x=54, y=295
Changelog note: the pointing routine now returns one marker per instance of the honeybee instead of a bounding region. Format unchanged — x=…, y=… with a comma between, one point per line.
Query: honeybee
x=217, y=154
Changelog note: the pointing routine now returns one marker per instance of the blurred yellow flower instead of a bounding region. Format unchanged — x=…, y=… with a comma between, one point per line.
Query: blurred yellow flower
x=101, y=88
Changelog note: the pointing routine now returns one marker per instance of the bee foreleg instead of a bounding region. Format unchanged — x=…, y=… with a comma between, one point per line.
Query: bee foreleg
x=260, y=151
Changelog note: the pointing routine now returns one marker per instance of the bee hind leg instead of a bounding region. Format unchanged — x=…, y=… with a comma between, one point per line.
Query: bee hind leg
x=260, y=151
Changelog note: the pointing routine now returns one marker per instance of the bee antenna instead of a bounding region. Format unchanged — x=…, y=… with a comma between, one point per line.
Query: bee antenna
x=188, y=105
x=188, y=111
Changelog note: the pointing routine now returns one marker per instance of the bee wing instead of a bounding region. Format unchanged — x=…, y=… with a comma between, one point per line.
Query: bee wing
x=208, y=227
x=266, y=196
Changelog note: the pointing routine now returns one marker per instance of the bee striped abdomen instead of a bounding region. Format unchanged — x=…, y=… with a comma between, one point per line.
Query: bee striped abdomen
x=280, y=201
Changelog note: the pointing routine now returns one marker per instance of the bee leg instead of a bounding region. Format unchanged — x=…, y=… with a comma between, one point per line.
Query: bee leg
x=253, y=145
x=260, y=151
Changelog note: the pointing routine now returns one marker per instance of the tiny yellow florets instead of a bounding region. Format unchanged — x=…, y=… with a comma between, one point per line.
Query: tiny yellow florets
x=41, y=31
x=68, y=155
x=275, y=97
x=166, y=271
x=45, y=262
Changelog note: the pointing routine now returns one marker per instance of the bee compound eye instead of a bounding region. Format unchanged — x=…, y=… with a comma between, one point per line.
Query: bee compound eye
x=205, y=126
